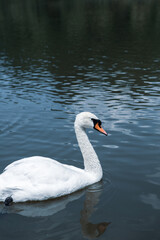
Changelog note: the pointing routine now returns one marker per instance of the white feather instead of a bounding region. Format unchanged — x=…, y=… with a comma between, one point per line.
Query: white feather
x=40, y=178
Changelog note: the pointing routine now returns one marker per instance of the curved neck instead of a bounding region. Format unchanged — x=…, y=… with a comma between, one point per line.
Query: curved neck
x=91, y=161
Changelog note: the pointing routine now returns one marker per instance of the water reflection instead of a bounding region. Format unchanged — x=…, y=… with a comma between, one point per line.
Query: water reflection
x=43, y=208
x=89, y=229
x=151, y=199
x=31, y=32
x=99, y=54
x=155, y=177
x=52, y=207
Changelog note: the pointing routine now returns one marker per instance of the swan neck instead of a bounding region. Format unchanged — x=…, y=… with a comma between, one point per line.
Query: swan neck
x=91, y=161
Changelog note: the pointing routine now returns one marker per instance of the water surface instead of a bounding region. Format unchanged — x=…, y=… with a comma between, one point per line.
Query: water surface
x=58, y=58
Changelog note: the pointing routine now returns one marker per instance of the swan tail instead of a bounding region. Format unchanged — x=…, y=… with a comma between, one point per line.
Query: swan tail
x=8, y=201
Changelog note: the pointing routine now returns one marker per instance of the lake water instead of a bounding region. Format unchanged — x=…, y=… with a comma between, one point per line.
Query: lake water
x=58, y=58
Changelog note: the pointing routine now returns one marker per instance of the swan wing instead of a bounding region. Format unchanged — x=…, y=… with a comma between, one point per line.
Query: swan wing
x=39, y=178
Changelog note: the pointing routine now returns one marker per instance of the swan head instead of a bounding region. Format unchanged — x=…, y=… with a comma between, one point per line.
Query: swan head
x=89, y=120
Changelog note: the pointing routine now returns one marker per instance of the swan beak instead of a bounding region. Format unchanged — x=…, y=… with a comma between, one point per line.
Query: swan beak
x=100, y=129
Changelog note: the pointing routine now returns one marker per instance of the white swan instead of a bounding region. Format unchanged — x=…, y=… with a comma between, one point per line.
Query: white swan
x=40, y=178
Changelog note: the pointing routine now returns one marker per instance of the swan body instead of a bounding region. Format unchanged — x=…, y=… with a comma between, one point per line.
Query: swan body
x=39, y=178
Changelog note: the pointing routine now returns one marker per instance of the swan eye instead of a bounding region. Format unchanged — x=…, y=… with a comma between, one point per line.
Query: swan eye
x=97, y=126
x=95, y=121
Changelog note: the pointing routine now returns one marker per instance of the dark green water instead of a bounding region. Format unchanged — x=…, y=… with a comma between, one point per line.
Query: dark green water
x=61, y=57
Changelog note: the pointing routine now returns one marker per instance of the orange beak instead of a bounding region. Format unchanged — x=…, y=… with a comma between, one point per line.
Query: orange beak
x=100, y=129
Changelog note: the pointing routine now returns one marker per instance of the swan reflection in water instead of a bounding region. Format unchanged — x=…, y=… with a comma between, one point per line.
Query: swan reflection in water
x=91, y=230
x=51, y=207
